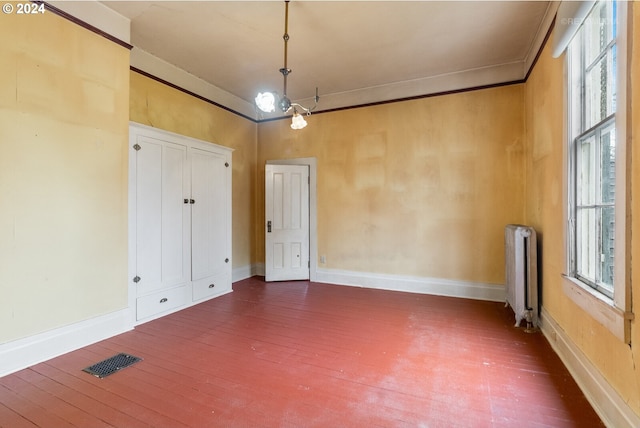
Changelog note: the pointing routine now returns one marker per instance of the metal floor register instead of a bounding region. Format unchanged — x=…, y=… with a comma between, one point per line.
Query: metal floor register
x=111, y=365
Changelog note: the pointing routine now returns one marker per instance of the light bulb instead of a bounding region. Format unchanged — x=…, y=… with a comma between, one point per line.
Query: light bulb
x=266, y=102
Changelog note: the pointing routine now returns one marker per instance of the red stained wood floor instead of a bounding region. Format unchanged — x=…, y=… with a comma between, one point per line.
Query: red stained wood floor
x=301, y=354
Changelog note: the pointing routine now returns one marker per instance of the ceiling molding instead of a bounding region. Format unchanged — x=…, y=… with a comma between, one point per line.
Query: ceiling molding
x=96, y=17
x=161, y=69
x=541, y=36
x=193, y=94
x=418, y=88
x=110, y=22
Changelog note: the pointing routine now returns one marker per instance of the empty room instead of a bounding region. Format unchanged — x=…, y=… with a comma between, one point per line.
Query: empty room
x=319, y=214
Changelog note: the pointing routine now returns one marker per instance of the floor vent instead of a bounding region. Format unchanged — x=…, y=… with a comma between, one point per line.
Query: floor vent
x=111, y=365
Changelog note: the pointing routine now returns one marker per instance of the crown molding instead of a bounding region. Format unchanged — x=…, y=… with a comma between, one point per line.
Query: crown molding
x=95, y=17
x=164, y=72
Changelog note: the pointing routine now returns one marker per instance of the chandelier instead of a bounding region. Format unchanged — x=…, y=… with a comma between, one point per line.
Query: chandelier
x=266, y=101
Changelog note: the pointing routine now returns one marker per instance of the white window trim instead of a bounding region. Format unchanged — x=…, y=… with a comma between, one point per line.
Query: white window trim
x=613, y=314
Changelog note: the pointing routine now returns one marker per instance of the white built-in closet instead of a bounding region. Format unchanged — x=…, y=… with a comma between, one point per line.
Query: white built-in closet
x=179, y=221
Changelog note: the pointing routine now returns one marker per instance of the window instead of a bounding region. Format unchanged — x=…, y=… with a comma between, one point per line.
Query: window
x=595, y=207
x=592, y=56
x=596, y=202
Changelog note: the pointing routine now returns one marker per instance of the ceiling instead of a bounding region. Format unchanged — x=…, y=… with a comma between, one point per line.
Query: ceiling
x=355, y=52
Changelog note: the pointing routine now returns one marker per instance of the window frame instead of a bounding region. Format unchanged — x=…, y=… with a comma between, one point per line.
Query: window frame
x=610, y=311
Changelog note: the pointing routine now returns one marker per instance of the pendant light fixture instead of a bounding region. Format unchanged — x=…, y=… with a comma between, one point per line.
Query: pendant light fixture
x=266, y=101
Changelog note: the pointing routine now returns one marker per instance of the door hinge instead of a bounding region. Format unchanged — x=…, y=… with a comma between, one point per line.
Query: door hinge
x=136, y=279
x=136, y=147
x=309, y=264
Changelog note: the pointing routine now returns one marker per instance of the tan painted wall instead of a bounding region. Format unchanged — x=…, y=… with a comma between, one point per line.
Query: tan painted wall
x=63, y=174
x=158, y=105
x=544, y=92
x=420, y=188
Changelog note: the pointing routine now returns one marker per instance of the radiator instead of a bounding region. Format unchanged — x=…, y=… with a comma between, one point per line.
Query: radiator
x=522, y=273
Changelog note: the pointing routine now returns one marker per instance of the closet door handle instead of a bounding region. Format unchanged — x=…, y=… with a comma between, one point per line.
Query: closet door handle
x=211, y=285
x=164, y=300
x=192, y=201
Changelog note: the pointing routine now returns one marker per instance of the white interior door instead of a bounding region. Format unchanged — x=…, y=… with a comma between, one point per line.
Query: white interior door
x=287, y=222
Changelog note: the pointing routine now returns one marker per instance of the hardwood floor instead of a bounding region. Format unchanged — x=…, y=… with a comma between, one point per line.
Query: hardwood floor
x=300, y=354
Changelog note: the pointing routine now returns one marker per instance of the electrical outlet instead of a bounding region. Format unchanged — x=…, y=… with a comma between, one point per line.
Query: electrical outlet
x=323, y=259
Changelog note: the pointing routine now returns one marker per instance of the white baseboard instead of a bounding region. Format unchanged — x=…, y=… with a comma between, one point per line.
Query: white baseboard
x=22, y=353
x=412, y=284
x=247, y=271
x=607, y=403
x=259, y=269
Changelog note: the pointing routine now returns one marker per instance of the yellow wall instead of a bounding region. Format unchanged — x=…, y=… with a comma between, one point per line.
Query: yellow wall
x=63, y=174
x=158, y=105
x=544, y=94
x=418, y=188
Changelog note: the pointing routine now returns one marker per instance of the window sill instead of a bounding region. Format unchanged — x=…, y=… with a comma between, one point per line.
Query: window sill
x=601, y=308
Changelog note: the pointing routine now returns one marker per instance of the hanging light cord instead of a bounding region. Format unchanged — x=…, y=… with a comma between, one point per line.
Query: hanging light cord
x=284, y=70
x=285, y=102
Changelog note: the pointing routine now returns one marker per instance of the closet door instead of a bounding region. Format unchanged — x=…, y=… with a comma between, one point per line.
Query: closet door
x=210, y=255
x=162, y=216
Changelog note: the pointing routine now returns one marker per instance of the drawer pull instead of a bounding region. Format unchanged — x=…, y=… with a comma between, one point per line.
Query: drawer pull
x=211, y=285
x=164, y=300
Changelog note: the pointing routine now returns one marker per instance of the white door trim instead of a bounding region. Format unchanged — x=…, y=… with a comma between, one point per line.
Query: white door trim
x=313, y=219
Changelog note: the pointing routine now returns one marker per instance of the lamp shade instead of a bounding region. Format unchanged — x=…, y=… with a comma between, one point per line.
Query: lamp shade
x=297, y=121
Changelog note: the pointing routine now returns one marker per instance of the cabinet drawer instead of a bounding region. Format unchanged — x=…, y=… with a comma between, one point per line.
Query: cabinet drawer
x=162, y=301
x=211, y=286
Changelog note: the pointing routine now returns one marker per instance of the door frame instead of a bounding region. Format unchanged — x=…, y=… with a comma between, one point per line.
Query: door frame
x=313, y=219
